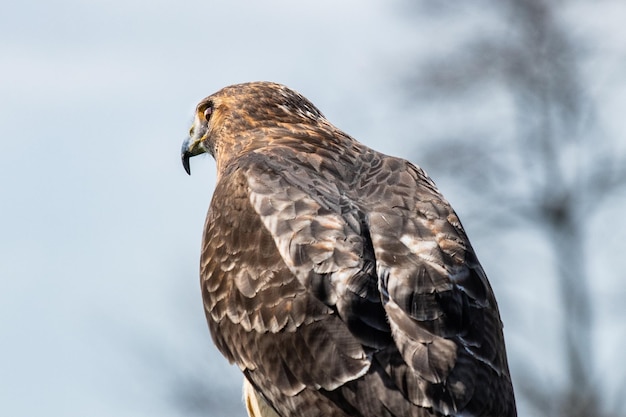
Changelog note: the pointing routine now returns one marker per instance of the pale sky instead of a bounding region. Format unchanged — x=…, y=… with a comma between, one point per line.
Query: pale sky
x=100, y=310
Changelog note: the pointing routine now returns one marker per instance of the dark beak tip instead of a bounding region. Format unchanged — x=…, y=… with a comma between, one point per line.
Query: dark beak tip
x=185, y=158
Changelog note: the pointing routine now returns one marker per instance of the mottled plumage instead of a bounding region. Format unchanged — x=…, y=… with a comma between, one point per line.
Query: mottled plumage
x=339, y=279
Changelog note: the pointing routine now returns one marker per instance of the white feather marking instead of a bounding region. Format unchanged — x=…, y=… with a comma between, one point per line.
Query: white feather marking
x=419, y=246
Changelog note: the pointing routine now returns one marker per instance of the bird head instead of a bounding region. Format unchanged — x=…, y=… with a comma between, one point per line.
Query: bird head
x=240, y=116
x=199, y=140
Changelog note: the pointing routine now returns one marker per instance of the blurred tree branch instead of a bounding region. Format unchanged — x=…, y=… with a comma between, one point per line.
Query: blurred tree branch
x=552, y=175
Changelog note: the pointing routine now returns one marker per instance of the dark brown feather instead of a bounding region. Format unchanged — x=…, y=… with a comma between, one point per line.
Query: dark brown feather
x=337, y=278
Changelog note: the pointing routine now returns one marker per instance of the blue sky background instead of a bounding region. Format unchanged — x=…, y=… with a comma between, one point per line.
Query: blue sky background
x=100, y=227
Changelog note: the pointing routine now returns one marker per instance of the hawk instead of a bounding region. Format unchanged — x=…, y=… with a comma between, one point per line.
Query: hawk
x=337, y=278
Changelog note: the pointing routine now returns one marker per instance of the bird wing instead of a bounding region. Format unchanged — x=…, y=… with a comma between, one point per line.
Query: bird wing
x=440, y=306
x=263, y=312
x=321, y=277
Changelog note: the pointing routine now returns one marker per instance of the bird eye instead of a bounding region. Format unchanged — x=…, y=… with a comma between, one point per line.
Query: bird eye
x=207, y=112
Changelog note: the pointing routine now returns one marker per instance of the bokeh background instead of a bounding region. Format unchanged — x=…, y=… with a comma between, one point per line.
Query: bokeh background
x=516, y=108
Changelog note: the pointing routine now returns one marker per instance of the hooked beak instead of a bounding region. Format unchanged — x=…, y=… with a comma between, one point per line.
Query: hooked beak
x=192, y=146
x=185, y=154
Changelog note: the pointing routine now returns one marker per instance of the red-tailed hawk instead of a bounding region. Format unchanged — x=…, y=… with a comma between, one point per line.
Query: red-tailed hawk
x=339, y=279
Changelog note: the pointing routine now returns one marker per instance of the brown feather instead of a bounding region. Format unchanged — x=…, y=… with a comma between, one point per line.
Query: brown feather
x=337, y=278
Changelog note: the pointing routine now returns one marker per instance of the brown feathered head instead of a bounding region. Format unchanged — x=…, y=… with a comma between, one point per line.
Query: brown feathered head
x=227, y=114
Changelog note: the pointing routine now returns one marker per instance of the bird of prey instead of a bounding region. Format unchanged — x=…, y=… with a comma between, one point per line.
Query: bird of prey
x=337, y=278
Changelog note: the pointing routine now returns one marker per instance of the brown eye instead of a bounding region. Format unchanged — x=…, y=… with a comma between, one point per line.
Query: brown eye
x=207, y=112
